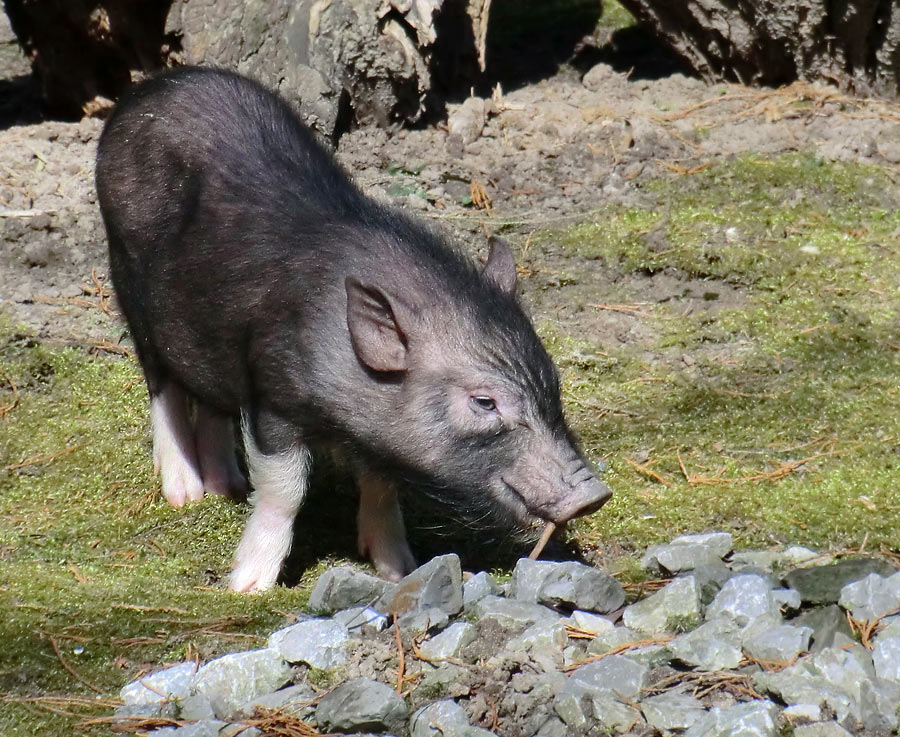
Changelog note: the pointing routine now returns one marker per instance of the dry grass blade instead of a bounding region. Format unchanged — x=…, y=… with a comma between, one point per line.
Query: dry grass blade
x=549, y=529
x=278, y=723
x=633, y=310
x=108, y=347
x=401, y=657
x=15, y=392
x=480, y=198
x=42, y=458
x=78, y=677
x=624, y=647
x=646, y=471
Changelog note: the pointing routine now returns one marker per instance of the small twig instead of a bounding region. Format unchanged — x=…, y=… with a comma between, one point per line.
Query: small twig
x=624, y=309
x=71, y=670
x=401, y=657
x=15, y=391
x=549, y=528
x=624, y=647
x=42, y=459
x=105, y=345
x=647, y=472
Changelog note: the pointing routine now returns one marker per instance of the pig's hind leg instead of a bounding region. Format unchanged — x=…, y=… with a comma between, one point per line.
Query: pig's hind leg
x=174, y=449
x=216, y=453
x=381, y=533
x=279, y=481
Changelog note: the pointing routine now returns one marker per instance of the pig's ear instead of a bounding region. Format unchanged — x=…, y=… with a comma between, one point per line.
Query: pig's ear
x=500, y=268
x=377, y=336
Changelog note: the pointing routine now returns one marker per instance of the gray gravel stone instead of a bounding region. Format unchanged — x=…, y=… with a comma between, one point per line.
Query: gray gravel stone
x=528, y=577
x=431, y=620
x=448, y=643
x=589, y=622
x=743, y=599
x=606, y=641
x=298, y=700
x=320, y=643
x=362, y=705
x=437, y=584
x=812, y=712
x=674, y=607
x=344, y=587
x=787, y=600
x=615, y=673
x=612, y=714
x=764, y=560
x=174, y=682
x=233, y=680
x=714, y=645
x=886, y=658
x=780, y=643
x=443, y=719
x=750, y=719
x=573, y=585
x=872, y=597
x=687, y=552
x=710, y=579
x=207, y=728
x=798, y=555
x=822, y=729
x=823, y=584
x=544, y=642
x=672, y=711
x=832, y=678
x=826, y=623
x=510, y=613
x=480, y=585
x=358, y=617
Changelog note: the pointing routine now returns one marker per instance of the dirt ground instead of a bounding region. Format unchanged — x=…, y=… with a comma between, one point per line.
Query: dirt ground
x=550, y=154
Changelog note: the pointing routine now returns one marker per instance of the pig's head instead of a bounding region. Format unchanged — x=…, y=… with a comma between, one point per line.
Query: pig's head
x=473, y=403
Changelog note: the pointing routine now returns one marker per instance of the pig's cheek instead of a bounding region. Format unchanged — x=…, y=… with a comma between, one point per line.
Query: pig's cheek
x=174, y=452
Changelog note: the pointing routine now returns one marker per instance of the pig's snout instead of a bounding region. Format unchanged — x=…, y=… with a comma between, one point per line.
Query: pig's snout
x=586, y=496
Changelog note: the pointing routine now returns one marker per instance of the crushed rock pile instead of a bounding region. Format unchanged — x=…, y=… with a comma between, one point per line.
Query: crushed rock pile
x=721, y=643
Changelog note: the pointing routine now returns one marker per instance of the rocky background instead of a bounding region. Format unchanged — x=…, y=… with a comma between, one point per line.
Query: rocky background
x=756, y=643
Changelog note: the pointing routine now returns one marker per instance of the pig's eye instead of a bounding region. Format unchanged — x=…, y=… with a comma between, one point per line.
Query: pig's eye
x=485, y=404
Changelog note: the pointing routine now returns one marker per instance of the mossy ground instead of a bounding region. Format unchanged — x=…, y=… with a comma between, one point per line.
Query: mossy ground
x=806, y=367
x=777, y=418
x=802, y=365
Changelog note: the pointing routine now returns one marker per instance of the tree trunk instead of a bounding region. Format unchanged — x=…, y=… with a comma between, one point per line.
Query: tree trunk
x=853, y=43
x=374, y=60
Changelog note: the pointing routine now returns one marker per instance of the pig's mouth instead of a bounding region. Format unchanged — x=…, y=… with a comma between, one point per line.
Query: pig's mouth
x=515, y=502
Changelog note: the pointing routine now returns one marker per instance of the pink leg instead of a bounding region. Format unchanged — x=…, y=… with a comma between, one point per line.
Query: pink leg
x=381, y=533
x=174, y=453
x=215, y=452
x=279, y=484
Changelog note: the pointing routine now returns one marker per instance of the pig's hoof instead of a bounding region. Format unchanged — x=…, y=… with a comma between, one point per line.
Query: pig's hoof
x=394, y=563
x=232, y=485
x=250, y=576
x=181, y=484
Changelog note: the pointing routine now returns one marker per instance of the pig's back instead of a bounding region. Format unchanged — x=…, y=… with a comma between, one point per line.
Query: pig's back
x=217, y=200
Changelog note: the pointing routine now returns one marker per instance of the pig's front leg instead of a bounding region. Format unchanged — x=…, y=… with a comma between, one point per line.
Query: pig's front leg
x=279, y=481
x=382, y=535
x=174, y=450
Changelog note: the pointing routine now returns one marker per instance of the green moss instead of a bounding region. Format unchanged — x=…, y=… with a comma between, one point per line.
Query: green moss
x=93, y=560
x=803, y=367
